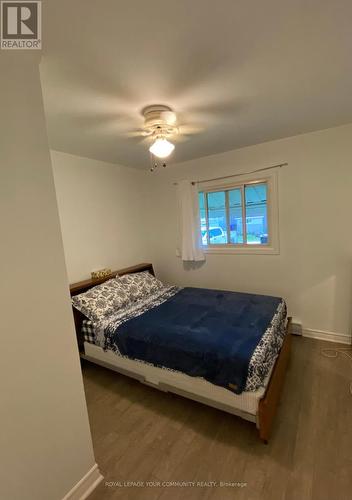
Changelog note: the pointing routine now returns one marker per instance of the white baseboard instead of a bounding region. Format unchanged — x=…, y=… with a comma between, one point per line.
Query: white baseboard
x=86, y=485
x=341, y=338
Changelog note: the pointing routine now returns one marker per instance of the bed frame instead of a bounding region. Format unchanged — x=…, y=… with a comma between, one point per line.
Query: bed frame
x=267, y=404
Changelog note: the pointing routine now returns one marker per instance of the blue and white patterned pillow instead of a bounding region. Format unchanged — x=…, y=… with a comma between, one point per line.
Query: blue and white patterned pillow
x=140, y=285
x=102, y=300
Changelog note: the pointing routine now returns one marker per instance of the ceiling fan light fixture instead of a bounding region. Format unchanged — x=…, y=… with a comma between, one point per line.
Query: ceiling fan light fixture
x=161, y=148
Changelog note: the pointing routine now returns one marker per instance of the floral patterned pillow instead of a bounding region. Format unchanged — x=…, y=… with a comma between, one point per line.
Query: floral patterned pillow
x=139, y=285
x=101, y=300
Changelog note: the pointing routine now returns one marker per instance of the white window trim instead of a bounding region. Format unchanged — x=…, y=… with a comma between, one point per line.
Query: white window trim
x=273, y=247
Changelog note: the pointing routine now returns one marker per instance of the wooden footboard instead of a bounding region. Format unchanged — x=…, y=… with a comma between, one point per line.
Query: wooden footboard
x=269, y=403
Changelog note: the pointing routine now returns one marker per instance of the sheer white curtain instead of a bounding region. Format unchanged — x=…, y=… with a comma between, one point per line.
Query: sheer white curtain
x=190, y=245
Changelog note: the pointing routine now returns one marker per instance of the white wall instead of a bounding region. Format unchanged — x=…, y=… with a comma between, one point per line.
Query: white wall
x=313, y=270
x=45, y=443
x=116, y=216
x=103, y=214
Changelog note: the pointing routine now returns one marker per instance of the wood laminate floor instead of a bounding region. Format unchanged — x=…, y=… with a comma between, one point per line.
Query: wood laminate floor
x=141, y=434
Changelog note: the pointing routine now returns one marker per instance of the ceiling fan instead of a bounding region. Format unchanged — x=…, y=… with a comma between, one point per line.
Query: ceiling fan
x=159, y=124
x=160, y=127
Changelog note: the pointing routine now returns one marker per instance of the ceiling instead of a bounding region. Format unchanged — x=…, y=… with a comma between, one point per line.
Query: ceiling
x=240, y=71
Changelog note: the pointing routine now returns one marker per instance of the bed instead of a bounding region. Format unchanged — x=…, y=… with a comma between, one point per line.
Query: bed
x=225, y=349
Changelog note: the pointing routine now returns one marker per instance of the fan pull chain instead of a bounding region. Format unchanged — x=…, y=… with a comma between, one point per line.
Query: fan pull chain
x=154, y=163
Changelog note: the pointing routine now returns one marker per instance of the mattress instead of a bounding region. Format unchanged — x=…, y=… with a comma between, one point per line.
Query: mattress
x=244, y=405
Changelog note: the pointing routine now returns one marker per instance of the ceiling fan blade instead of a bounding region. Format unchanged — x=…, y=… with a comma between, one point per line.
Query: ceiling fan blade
x=190, y=129
x=178, y=139
x=137, y=133
x=133, y=133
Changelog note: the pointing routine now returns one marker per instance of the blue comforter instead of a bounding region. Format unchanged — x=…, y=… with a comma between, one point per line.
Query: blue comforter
x=200, y=332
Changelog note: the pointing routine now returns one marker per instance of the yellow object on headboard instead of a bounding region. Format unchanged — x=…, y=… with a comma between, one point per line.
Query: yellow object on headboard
x=102, y=273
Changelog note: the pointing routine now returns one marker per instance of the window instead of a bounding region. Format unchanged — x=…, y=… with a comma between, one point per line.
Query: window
x=240, y=217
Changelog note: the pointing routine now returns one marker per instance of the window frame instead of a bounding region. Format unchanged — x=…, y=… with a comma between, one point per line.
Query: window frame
x=270, y=248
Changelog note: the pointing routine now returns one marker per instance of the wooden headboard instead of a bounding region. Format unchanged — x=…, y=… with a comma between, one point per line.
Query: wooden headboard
x=83, y=286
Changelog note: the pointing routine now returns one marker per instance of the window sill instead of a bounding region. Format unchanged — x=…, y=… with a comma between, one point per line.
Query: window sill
x=242, y=250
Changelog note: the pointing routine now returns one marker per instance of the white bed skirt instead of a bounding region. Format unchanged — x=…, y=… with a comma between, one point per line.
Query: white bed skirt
x=244, y=405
